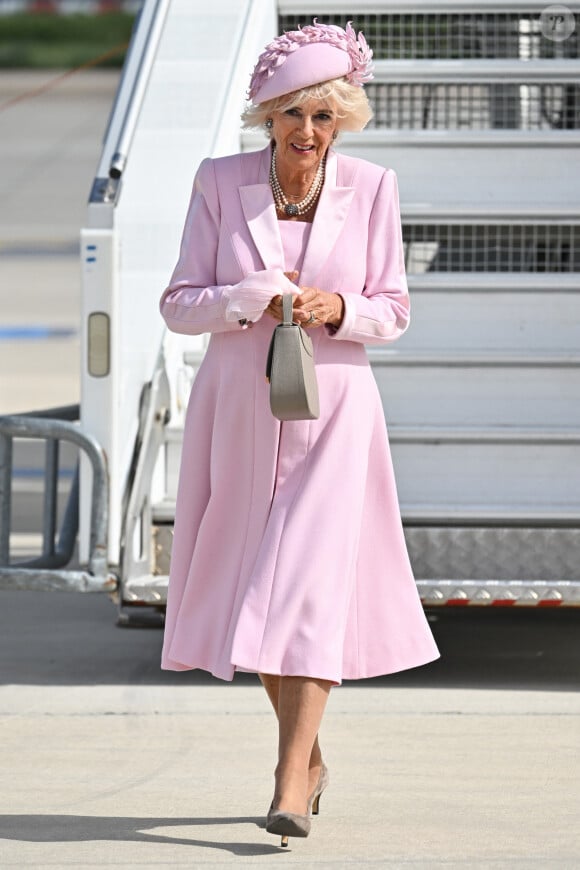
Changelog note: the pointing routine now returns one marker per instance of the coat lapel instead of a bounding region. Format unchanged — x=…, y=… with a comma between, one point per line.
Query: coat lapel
x=260, y=214
x=331, y=213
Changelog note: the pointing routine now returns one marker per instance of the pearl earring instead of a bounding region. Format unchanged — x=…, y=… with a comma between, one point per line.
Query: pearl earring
x=268, y=124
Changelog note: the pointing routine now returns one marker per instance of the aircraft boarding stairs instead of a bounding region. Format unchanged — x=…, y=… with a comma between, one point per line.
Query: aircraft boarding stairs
x=479, y=114
x=481, y=395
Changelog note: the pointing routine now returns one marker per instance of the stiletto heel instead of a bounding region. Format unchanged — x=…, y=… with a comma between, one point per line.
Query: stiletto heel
x=294, y=824
x=314, y=799
x=287, y=825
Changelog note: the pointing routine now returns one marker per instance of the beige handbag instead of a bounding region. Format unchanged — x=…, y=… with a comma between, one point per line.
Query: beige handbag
x=290, y=370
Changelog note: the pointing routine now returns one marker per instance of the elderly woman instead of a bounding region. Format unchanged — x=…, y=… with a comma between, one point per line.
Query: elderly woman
x=289, y=558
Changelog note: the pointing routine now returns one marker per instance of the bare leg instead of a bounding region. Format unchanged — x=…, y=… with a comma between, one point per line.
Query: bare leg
x=271, y=683
x=300, y=706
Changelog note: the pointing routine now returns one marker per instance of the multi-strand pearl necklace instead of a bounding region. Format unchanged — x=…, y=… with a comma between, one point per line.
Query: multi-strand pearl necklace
x=294, y=209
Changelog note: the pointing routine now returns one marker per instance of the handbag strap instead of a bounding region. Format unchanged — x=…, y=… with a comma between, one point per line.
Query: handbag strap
x=287, y=308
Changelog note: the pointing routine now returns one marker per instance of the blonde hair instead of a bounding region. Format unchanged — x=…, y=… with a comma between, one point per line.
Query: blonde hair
x=350, y=102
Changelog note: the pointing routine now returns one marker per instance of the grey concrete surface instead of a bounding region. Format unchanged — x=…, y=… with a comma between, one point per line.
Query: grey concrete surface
x=49, y=147
x=39, y=290
x=50, y=143
x=471, y=762
x=129, y=777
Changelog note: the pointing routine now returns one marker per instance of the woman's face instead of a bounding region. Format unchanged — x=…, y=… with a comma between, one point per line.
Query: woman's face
x=303, y=134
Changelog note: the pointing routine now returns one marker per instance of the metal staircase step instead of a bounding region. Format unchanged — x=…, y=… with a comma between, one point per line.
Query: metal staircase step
x=163, y=512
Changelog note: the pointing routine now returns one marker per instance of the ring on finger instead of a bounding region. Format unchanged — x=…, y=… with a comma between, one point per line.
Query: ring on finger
x=312, y=317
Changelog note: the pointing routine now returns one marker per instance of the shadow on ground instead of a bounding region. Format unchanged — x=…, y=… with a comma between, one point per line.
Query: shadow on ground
x=77, y=829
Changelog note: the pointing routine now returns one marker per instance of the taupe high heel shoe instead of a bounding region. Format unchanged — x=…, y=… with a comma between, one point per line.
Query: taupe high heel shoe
x=287, y=824
x=313, y=807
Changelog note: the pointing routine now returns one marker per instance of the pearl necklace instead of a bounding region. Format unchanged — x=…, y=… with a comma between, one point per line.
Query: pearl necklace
x=294, y=209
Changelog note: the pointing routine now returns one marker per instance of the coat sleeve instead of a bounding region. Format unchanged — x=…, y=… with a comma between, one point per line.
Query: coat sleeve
x=194, y=303
x=381, y=313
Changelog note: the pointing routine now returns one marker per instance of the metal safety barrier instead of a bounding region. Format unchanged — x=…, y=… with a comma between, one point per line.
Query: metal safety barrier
x=48, y=571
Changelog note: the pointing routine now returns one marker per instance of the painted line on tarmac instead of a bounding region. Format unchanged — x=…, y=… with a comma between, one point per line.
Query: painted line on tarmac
x=39, y=249
x=36, y=333
x=35, y=473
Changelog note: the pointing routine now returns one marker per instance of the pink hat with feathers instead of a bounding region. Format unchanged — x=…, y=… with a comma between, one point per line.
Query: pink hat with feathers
x=315, y=53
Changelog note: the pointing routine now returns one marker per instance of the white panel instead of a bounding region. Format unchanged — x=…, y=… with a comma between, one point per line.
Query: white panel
x=477, y=175
x=204, y=35
x=542, y=321
x=537, y=478
x=99, y=263
x=438, y=396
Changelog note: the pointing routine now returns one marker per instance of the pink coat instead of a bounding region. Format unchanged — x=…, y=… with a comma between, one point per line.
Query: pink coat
x=288, y=555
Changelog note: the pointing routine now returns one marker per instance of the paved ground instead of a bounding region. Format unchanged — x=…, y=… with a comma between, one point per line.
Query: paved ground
x=471, y=762
x=163, y=777
x=49, y=149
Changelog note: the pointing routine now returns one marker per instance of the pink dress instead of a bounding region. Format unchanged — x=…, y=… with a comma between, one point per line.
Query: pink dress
x=289, y=555
x=294, y=235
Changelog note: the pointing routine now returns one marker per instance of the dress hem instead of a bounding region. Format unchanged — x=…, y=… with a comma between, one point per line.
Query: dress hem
x=228, y=677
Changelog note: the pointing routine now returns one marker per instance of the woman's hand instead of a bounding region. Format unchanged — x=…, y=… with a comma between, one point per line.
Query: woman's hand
x=314, y=307
x=274, y=309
